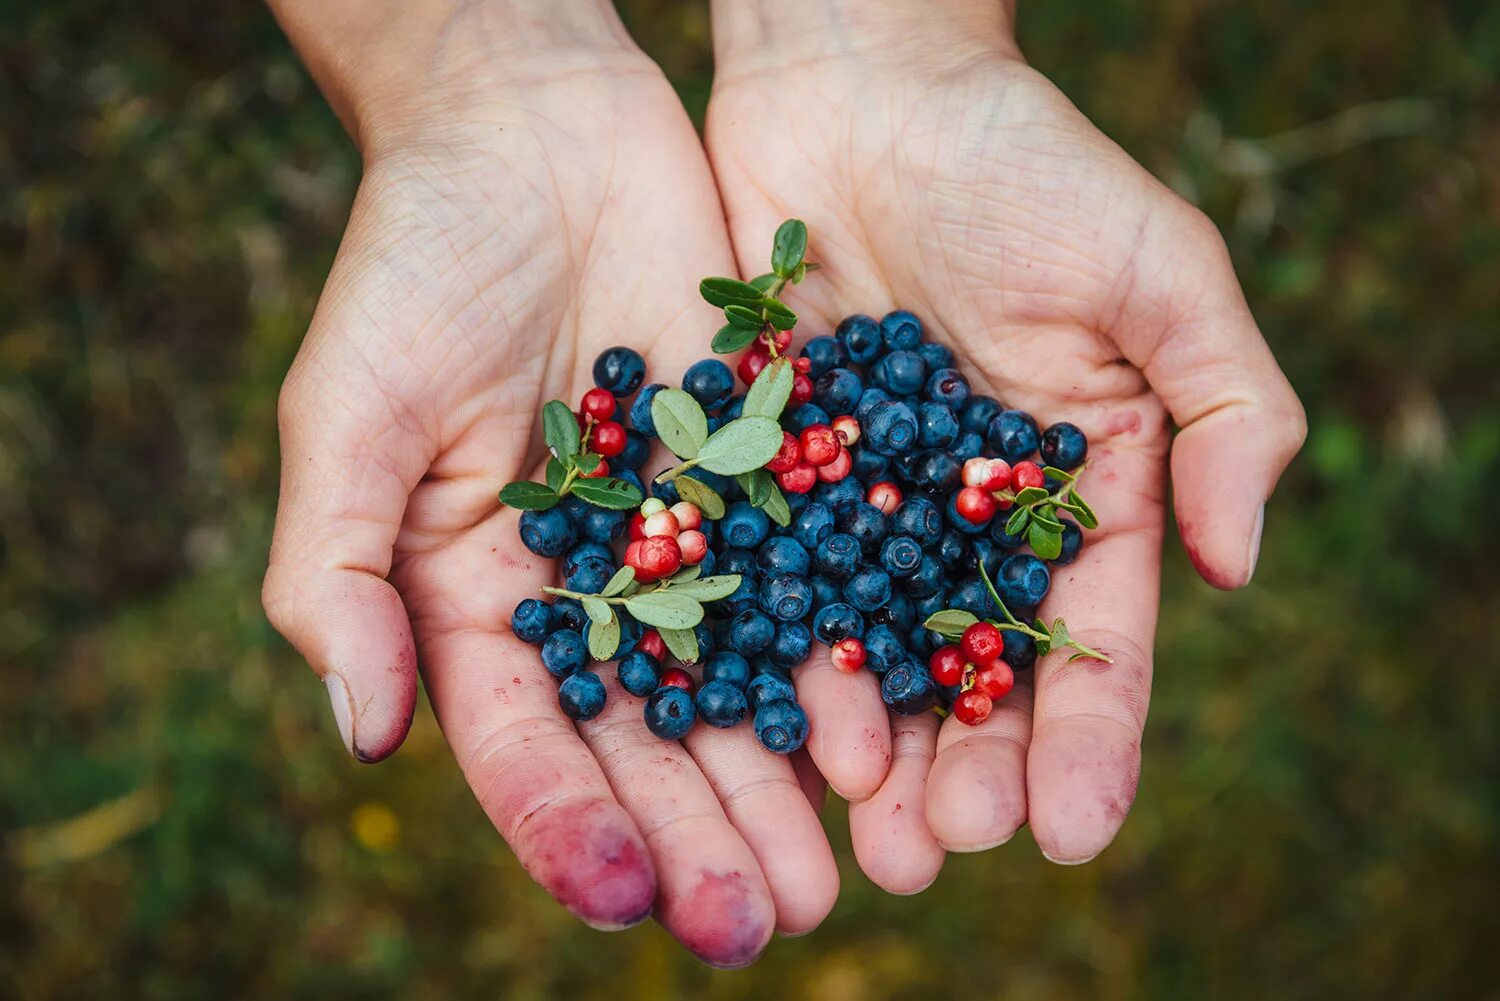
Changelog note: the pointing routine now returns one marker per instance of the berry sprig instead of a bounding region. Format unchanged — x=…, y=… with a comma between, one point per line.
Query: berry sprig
x=740, y=448
x=581, y=445
x=674, y=606
x=992, y=485
x=754, y=309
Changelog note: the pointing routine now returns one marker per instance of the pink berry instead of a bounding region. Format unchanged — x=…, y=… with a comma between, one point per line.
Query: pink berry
x=660, y=556
x=976, y=471
x=846, y=427
x=687, y=515
x=849, y=655
x=886, y=496
x=693, y=545
x=799, y=479
x=839, y=468
x=662, y=523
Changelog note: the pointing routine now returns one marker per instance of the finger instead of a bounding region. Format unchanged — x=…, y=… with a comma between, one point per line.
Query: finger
x=849, y=735
x=976, y=794
x=892, y=841
x=712, y=895
x=814, y=787
x=1186, y=325
x=763, y=800
x=347, y=468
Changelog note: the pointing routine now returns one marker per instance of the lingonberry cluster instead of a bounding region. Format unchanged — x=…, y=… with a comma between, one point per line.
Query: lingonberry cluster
x=860, y=495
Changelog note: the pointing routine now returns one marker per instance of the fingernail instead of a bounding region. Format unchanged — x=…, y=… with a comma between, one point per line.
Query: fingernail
x=1070, y=861
x=1253, y=556
x=343, y=708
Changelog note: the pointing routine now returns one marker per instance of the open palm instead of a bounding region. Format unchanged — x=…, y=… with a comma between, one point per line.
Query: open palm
x=1072, y=285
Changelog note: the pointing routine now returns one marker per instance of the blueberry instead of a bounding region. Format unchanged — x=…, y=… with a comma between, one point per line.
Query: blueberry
x=958, y=521
x=977, y=414
x=792, y=644
x=582, y=553
x=890, y=428
x=735, y=408
x=925, y=607
x=796, y=502
x=812, y=526
x=786, y=597
x=869, y=466
x=908, y=688
x=1013, y=435
x=900, y=555
x=564, y=652
x=1022, y=582
x=567, y=613
x=972, y=596
x=706, y=567
x=825, y=591
x=900, y=330
x=744, y=526
x=670, y=713
x=868, y=589
x=620, y=370
x=640, y=411
x=899, y=613
x=867, y=400
x=936, y=425
x=637, y=450
x=937, y=471
x=836, y=622
x=825, y=353
x=1000, y=537
x=1064, y=446
x=986, y=554
x=838, y=556
x=589, y=576
x=948, y=387
x=665, y=492
x=840, y=495
x=922, y=642
x=953, y=549
x=967, y=445
x=722, y=705
x=1072, y=541
x=639, y=673
x=838, y=391
x=727, y=666
x=935, y=355
x=783, y=555
x=736, y=560
x=633, y=478
x=900, y=373
x=706, y=641
x=920, y=519
x=927, y=579
x=531, y=620
x=762, y=664
x=883, y=648
x=804, y=417
x=767, y=688
x=751, y=632
x=548, y=533
x=781, y=726
x=581, y=696
x=1019, y=651
x=743, y=598
x=860, y=336
x=709, y=382
x=867, y=524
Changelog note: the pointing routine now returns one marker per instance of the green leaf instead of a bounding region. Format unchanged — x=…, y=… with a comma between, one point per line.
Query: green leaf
x=1085, y=514
x=710, y=588
x=723, y=292
x=604, y=638
x=1060, y=634
x=770, y=390
x=623, y=578
x=757, y=485
x=1018, y=520
x=779, y=314
x=765, y=281
x=1043, y=515
x=743, y=444
x=608, y=492
x=680, y=422
x=799, y=273
x=555, y=474
x=1031, y=495
x=588, y=462
x=665, y=610
x=1061, y=475
x=523, y=495
x=560, y=428
x=682, y=643
x=789, y=247
x=598, y=610
x=743, y=317
x=701, y=495
x=685, y=575
x=1045, y=541
x=950, y=623
x=776, y=507
x=730, y=339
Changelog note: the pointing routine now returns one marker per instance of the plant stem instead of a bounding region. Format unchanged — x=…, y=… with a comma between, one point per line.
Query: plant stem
x=676, y=471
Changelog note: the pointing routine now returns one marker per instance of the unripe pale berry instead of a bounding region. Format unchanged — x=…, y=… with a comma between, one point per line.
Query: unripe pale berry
x=849, y=655
x=687, y=515
x=694, y=546
x=886, y=496
x=662, y=523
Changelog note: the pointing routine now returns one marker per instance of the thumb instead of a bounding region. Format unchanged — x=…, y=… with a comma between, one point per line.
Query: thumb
x=1188, y=328
x=347, y=468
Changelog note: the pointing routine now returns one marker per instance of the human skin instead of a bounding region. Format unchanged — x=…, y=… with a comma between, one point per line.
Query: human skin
x=937, y=172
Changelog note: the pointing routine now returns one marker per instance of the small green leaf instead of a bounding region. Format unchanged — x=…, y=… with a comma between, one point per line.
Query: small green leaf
x=701, y=495
x=770, y=390
x=1018, y=520
x=680, y=422
x=1045, y=541
x=604, y=638
x=598, y=610
x=799, y=273
x=1085, y=514
x=789, y=247
x=765, y=281
x=560, y=428
x=523, y=495
x=1059, y=633
x=665, y=609
x=682, y=643
x=1043, y=515
x=588, y=462
x=623, y=578
x=1061, y=475
x=710, y=588
x=723, y=292
x=950, y=623
x=685, y=575
x=757, y=485
x=730, y=339
x=555, y=474
x=776, y=507
x=744, y=317
x=743, y=444
x=779, y=314
x=1031, y=495
x=607, y=492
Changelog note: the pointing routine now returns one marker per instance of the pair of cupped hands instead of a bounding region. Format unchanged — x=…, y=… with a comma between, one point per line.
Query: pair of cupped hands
x=533, y=193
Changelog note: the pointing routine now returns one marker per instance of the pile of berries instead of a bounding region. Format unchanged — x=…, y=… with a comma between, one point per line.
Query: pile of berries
x=885, y=516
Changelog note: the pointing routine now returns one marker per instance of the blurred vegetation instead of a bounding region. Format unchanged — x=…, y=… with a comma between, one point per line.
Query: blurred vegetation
x=1319, y=815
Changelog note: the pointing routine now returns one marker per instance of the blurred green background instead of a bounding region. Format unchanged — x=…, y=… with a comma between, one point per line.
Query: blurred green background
x=1320, y=808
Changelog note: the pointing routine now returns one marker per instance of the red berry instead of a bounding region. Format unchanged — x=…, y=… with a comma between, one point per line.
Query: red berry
x=820, y=445
x=981, y=644
x=947, y=665
x=995, y=680
x=652, y=643
x=660, y=556
x=782, y=339
x=599, y=404
x=839, y=468
x=996, y=474
x=886, y=496
x=1026, y=474
x=799, y=479
x=787, y=456
x=802, y=364
x=694, y=545
x=637, y=527
x=678, y=678
x=972, y=707
x=849, y=655
x=687, y=515
x=755, y=358
x=662, y=523
x=633, y=560
x=601, y=470
x=847, y=428
x=802, y=389
x=975, y=504
x=608, y=439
